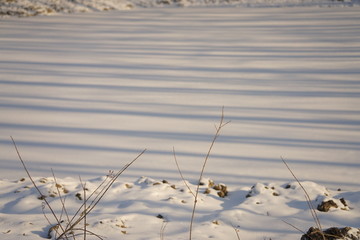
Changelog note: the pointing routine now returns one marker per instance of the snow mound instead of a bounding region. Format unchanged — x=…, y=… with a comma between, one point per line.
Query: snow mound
x=146, y=206
x=25, y=8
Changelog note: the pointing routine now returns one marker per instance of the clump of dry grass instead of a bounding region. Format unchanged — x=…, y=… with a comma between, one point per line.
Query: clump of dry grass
x=72, y=226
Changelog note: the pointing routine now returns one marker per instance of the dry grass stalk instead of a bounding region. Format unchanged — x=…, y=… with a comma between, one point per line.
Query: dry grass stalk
x=236, y=229
x=68, y=231
x=217, y=134
x=104, y=186
x=308, y=201
x=83, y=185
x=36, y=187
x=181, y=175
x=162, y=229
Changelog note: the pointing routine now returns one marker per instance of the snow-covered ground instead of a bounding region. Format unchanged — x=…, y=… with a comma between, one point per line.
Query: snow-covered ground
x=26, y=8
x=85, y=93
x=159, y=209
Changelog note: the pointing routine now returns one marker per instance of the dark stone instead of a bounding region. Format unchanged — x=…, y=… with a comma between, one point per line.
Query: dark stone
x=160, y=216
x=221, y=194
x=342, y=200
x=329, y=234
x=325, y=206
x=78, y=196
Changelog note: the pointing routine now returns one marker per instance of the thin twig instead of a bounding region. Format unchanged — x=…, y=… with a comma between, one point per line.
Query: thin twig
x=97, y=198
x=217, y=133
x=90, y=232
x=237, y=232
x=47, y=219
x=62, y=200
x=294, y=227
x=81, y=207
x=36, y=187
x=162, y=229
x=182, y=177
x=84, y=191
x=115, y=177
x=308, y=199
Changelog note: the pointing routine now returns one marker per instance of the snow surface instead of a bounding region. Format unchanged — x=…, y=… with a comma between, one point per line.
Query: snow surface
x=50, y=7
x=149, y=208
x=85, y=93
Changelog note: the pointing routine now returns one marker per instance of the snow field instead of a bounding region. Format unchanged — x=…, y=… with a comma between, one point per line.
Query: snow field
x=85, y=93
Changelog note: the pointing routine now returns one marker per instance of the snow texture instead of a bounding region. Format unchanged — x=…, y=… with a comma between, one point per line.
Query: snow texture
x=84, y=93
x=147, y=207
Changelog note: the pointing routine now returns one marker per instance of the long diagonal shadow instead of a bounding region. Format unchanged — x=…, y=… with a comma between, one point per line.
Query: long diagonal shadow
x=273, y=141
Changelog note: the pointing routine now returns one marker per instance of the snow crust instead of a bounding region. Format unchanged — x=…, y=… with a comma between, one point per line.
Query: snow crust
x=51, y=7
